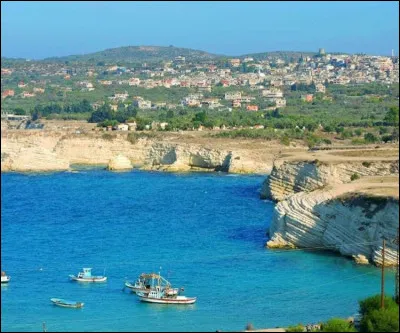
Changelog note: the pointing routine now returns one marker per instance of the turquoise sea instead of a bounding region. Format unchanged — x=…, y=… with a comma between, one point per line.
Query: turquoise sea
x=204, y=232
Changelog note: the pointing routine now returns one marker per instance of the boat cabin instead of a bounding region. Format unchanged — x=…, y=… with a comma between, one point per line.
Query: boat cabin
x=87, y=273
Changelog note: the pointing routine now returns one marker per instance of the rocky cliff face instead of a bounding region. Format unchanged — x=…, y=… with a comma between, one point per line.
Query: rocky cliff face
x=43, y=151
x=320, y=207
x=119, y=162
x=33, y=154
x=288, y=178
x=183, y=157
x=353, y=225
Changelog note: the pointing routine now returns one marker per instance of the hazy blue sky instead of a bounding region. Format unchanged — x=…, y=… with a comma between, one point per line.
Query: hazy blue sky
x=43, y=29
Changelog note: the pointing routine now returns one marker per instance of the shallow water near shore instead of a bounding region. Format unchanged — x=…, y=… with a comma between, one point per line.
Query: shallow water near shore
x=204, y=232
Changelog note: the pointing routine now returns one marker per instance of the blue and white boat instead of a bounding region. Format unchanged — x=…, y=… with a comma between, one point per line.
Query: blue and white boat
x=86, y=276
x=66, y=304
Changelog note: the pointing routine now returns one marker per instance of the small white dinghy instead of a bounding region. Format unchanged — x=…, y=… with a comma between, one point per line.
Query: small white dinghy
x=86, y=276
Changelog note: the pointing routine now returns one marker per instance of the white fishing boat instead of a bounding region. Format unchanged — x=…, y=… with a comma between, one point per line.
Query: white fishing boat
x=145, y=281
x=158, y=290
x=66, y=304
x=86, y=276
x=160, y=297
x=5, y=278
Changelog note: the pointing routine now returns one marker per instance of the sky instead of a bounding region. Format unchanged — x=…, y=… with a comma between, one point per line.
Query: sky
x=39, y=29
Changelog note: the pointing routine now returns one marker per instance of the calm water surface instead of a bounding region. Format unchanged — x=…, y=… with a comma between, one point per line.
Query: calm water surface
x=205, y=231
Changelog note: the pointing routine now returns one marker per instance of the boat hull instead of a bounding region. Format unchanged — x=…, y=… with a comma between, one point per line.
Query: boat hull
x=91, y=279
x=5, y=279
x=166, y=300
x=169, y=292
x=66, y=304
x=136, y=289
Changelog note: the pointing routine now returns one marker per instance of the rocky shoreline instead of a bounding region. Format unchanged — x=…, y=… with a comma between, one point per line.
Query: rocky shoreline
x=322, y=205
x=343, y=200
x=57, y=151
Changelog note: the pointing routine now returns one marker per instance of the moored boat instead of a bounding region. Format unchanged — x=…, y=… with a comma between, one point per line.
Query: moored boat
x=5, y=278
x=157, y=296
x=86, y=276
x=158, y=290
x=145, y=281
x=66, y=304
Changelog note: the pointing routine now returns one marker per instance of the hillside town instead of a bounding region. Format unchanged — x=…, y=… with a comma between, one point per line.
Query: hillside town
x=221, y=84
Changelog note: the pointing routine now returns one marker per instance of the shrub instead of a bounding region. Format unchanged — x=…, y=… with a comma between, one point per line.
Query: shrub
x=249, y=327
x=19, y=112
x=375, y=319
x=297, y=328
x=374, y=303
x=346, y=134
x=358, y=132
x=370, y=138
x=383, y=130
x=354, y=176
x=132, y=137
x=357, y=141
x=107, y=136
x=366, y=164
x=285, y=140
x=387, y=138
x=337, y=325
x=382, y=320
x=327, y=141
x=106, y=123
x=312, y=140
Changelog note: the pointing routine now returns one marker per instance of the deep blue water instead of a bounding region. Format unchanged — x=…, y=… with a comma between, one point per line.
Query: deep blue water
x=205, y=231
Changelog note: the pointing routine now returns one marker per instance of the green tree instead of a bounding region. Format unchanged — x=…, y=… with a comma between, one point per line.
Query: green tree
x=200, y=117
x=103, y=113
x=392, y=116
x=37, y=112
x=19, y=111
x=131, y=111
x=170, y=114
x=141, y=123
x=370, y=138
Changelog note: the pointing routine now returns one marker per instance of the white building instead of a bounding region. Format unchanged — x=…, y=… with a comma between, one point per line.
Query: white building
x=272, y=93
x=231, y=95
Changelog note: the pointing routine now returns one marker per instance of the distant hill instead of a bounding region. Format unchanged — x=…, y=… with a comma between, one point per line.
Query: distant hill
x=139, y=53
x=132, y=54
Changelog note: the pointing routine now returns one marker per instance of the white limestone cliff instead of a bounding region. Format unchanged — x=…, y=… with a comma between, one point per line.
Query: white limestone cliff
x=320, y=207
x=353, y=225
x=119, y=162
x=45, y=151
x=290, y=177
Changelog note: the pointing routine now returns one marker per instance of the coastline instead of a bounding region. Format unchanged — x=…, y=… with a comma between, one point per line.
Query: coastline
x=305, y=184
